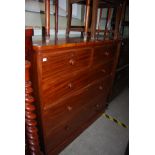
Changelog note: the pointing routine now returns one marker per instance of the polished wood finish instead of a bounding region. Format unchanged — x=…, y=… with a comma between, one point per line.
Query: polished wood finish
x=47, y=18
x=72, y=80
x=73, y=113
x=32, y=141
x=87, y=19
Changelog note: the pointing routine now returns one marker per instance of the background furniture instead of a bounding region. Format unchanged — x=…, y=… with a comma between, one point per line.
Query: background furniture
x=28, y=42
x=122, y=72
x=46, y=29
x=32, y=145
x=92, y=7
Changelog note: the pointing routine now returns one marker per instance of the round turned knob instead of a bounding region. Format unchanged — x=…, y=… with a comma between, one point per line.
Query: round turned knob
x=69, y=108
x=103, y=70
x=72, y=54
x=97, y=106
x=67, y=128
x=107, y=53
x=100, y=87
x=70, y=85
x=87, y=89
x=71, y=61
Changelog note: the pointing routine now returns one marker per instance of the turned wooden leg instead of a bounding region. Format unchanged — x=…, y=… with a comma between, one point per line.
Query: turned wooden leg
x=106, y=31
x=47, y=18
x=56, y=17
x=69, y=18
x=30, y=116
x=122, y=16
x=87, y=19
x=117, y=22
x=94, y=19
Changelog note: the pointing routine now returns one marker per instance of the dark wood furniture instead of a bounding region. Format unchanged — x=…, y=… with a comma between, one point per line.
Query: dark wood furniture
x=122, y=72
x=87, y=16
x=32, y=145
x=92, y=7
x=71, y=81
x=121, y=80
x=28, y=42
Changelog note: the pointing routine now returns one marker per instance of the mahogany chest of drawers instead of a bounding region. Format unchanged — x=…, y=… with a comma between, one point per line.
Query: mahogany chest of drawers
x=71, y=81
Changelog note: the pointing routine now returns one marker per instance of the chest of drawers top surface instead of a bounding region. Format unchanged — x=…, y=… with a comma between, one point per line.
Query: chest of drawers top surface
x=41, y=44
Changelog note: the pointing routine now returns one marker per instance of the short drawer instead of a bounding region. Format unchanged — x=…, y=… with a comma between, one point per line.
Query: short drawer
x=100, y=71
x=65, y=62
x=103, y=54
x=64, y=118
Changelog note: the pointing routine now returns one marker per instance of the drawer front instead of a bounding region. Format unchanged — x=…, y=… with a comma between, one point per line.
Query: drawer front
x=65, y=62
x=102, y=70
x=62, y=88
x=62, y=119
x=103, y=54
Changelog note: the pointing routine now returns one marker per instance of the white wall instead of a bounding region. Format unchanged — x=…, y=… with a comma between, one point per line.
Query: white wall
x=34, y=18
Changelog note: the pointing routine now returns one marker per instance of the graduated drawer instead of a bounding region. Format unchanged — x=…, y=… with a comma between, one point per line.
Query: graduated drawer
x=63, y=62
x=103, y=54
x=60, y=89
x=64, y=118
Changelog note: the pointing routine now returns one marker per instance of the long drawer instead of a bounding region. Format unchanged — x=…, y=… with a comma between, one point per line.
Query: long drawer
x=56, y=65
x=55, y=90
x=62, y=119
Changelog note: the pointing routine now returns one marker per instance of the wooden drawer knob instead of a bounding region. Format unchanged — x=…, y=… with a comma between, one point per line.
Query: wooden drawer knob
x=100, y=87
x=70, y=85
x=107, y=53
x=72, y=61
x=69, y=108
x=97, y=106
x=72, y=54
x=103, y=71
x=67, y=128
